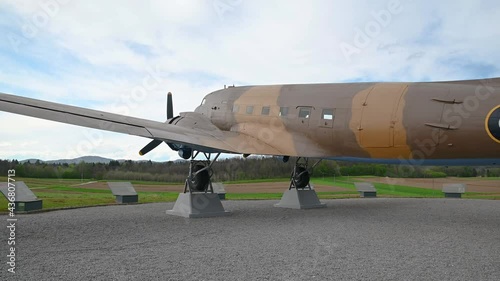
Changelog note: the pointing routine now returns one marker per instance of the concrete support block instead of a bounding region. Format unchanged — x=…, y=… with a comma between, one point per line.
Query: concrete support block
x=454, y=190
x=25, y=199
x=28, y=206
x=300, y=199
x=198, y=205
x=126, y=199
x=124, y=192
x=220, y=190
x=366, y=189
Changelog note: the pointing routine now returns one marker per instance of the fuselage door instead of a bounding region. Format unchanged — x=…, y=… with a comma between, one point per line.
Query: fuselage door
x=221, y=113
x=378, y=115
x=324, y=130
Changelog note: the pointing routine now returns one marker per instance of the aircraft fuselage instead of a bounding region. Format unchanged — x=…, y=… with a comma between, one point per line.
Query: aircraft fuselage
x=436, y=123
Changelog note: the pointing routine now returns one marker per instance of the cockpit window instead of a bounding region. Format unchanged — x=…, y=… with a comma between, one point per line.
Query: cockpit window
x=203, y=101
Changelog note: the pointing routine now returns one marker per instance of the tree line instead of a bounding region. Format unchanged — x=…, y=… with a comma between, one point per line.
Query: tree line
x=231, y=169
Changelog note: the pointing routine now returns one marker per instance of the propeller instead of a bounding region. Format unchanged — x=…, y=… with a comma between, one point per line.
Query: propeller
x=170, y=114
x=170, y=106
x=150, y=146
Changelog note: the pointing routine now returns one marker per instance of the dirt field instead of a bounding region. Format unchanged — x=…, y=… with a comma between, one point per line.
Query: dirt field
x=473, y=184
x=271, y=187
x=274, y=187
x=138, y=187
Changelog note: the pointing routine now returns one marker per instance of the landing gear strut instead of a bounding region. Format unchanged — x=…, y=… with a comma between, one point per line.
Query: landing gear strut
x=198, y=198
x=300, y=194
x=200, y=174
x=300, y=175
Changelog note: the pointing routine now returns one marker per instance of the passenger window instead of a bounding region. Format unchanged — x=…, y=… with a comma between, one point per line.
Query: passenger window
x=265, y=110
x=304, y=113
x=250, y=109
x=236, y=108
x=327, y=114
x=283, y=111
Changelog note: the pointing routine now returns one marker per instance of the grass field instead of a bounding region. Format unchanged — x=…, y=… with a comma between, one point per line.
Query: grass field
x=386, y=189
x=62, y=193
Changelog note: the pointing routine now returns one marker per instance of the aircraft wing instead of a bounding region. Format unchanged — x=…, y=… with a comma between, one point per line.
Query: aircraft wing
x=193, y=129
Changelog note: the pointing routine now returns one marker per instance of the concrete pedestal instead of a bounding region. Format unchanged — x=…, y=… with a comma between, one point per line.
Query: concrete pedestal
x=198, y=205
x=367, y=194
x=25, y=199
x=452, y=195
x=366, y=189
x=126, y=199
x=219, y=189
x=454, y=190
x=21, y=207
x=124, y=192
x=300, y=199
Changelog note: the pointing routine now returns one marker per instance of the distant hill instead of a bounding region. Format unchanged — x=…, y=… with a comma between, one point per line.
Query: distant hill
x=30, y=161
x=86, y=159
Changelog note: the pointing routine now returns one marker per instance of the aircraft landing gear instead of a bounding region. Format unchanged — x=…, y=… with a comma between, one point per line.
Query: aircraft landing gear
x=300, y=194
x=200, y=174
x=198, y=199
x=300, y=175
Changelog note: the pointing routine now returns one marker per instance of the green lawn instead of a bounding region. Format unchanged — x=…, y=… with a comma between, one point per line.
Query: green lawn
x=59, y=193
x=388, y=190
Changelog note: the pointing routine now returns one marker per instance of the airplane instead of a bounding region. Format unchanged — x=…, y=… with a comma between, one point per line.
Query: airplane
x=411, y=123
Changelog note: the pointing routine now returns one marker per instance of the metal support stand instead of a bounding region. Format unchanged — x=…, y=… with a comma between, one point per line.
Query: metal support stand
x=300, y=194
x=198, y=199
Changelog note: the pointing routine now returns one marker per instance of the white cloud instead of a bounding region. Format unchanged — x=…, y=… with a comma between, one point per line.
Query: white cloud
x=93, y=53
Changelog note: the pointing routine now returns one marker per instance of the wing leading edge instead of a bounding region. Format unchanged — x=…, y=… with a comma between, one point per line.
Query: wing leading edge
x=202, y=135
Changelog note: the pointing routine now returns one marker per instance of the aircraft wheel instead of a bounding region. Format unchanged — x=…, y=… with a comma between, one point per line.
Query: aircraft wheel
x=302, y=180
x=200, y=181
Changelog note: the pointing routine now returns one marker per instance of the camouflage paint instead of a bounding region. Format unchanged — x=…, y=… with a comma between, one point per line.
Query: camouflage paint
x=412, y=121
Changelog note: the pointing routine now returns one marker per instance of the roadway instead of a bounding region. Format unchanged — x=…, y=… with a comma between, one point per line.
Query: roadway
x=352, y=239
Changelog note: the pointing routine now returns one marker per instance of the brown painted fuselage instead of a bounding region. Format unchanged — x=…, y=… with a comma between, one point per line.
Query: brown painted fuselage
x=435, y=123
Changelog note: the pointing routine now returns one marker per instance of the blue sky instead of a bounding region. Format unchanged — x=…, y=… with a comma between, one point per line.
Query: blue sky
x=93, y=54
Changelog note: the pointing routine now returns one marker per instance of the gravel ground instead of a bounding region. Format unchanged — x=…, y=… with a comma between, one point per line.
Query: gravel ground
x=352, y=239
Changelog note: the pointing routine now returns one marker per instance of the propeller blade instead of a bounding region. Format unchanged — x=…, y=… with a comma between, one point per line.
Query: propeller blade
x=154, y=143
x=150, y=146
x=170, y=106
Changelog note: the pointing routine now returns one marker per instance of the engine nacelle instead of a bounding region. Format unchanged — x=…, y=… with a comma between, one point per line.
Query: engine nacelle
x=185, y=152
x=284, y=158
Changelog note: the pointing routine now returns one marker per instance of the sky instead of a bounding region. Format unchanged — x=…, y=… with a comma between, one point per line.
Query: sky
x=96, y=54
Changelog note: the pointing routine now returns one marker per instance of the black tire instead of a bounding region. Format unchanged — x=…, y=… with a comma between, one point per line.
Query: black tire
x=200, y=181
x=302, y=180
